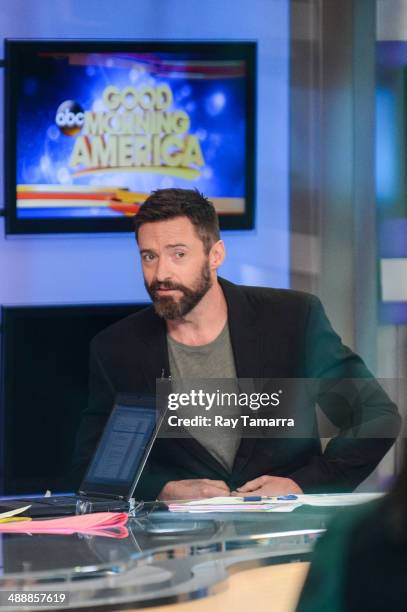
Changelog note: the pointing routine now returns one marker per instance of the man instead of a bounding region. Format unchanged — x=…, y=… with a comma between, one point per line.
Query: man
x=203, y=326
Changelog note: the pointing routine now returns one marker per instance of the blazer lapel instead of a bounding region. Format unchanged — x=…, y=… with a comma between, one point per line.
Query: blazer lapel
x=154, y=362
x=247, y=352
x=244, y=334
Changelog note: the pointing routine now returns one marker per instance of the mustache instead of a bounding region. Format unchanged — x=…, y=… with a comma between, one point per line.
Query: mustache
x=155, y=285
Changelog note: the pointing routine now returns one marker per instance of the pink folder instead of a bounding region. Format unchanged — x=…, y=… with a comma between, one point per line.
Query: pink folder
x=98, y=523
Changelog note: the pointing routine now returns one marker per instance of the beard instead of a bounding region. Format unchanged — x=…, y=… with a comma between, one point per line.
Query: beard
x=169, y=308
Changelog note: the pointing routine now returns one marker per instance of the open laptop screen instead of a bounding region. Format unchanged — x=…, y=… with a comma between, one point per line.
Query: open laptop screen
x=122, y=450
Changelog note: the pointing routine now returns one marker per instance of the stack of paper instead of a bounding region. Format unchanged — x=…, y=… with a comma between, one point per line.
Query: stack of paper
x=271, y=504
x=232, y=504
x=11, y=515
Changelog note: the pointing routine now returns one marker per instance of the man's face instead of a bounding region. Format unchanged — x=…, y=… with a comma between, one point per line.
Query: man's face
x=176, y=269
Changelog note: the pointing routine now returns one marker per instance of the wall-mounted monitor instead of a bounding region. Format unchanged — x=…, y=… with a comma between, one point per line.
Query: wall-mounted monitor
x=92, y=127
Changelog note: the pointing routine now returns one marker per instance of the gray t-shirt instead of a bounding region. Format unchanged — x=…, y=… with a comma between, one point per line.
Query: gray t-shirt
x=213, y=360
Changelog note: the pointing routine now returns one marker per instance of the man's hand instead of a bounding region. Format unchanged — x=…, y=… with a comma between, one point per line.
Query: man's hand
x=269, y=485
x=193, y=489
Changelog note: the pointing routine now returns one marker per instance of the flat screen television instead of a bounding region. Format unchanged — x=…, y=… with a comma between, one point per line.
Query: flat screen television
x=92, y=127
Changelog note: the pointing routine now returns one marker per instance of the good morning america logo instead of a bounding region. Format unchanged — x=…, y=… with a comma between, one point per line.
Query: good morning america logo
x=137, y=128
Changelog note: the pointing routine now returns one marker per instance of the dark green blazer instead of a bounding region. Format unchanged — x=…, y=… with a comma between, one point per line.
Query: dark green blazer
x=275, y=333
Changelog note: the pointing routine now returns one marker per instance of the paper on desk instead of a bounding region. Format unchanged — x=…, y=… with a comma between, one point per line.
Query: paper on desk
x=10, y=513
x=231, y=504
x=83, y=523
x=271, y=504
x=337, y=499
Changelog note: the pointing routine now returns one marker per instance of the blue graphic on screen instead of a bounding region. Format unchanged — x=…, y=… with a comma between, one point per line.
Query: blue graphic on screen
x=121, y=450
x=98, y=132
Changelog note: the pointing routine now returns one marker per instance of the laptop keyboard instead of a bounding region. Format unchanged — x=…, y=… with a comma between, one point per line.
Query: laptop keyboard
x=65, y=500
x=64, y=504
x=58, y=500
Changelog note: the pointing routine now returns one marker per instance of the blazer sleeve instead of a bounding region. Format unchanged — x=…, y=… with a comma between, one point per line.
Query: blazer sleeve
x=94, y=417
x=352, y=399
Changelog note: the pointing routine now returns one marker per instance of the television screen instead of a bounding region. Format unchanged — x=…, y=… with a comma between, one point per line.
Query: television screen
x=93, y=127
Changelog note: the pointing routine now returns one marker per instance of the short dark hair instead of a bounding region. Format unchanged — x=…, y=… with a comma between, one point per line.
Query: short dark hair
x=164, y=204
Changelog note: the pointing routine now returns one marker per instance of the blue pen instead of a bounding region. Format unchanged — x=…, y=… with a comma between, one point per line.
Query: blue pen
x=257, y=498
x=287, y=497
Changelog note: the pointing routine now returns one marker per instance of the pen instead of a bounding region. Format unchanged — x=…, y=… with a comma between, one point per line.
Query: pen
x=288, y=497
x=257, y=498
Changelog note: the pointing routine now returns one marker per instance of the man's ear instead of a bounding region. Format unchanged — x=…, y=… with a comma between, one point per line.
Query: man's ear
x=217, y=254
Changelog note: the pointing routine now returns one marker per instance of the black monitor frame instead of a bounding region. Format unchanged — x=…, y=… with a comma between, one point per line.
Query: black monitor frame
x=15, y=52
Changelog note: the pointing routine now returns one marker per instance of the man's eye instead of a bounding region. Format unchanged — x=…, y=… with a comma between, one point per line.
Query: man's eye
x=179, y=254
x=148, y=257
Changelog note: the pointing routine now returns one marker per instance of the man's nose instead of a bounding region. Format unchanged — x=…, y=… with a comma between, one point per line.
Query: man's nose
x=163, y=271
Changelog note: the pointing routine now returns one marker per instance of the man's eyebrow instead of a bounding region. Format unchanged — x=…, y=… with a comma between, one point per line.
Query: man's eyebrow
x=167, y=246
x=178, y=244
x=147, y=251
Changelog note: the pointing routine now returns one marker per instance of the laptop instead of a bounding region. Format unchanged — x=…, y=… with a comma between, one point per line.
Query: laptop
x=116, y=466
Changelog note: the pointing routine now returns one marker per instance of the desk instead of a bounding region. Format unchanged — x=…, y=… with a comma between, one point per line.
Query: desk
x=263, y=589
x=168, y=558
